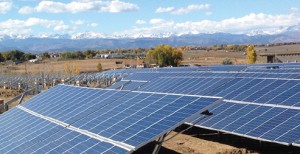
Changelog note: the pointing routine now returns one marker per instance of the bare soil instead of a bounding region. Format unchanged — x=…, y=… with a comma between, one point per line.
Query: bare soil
x=202, y=141
x=203, y=57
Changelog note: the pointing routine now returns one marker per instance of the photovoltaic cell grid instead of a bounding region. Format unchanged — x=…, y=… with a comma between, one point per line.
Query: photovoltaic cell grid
x=261, y=103
x=75, y=119
x=268, y=123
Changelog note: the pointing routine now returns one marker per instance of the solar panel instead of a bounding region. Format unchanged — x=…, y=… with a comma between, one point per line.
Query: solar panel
x=133, y=85
x=255, y=121
x=76, y=119
x=260, y=102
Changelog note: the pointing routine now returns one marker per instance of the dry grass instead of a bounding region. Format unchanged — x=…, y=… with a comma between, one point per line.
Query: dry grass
x=54, y=66
x=202, y=57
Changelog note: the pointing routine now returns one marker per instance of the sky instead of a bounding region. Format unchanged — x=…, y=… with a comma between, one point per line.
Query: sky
x=146, y=17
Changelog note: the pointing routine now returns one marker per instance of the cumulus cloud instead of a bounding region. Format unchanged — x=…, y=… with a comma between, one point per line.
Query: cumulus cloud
x=190, y=8
x=164, y=9
x=5, y=6
x=157, y=21
x=113, y=6
x=93, y=25
x=13, y=26
x=26, y=10
x=270, y=24
x=140, y=22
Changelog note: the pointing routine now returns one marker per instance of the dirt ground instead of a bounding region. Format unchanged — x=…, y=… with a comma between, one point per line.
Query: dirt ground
x=56, y=66
x=202, y=141
x=203, y=57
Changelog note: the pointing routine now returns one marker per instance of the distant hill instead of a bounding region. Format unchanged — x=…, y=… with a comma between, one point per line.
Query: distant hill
x=84, y=42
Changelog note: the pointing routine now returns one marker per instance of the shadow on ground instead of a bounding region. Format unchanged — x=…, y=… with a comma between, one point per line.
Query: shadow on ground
x=251, y=145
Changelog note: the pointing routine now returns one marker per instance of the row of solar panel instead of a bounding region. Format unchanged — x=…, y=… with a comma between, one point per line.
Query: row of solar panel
x=132, y=118
x=151, y=76
x=270, y=91
x=264, y=122
x=22, y=132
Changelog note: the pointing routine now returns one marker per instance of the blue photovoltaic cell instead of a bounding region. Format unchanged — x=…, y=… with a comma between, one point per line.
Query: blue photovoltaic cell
x=243, y=119
x=273, y=122
x=132, y=118
x=256, y=122
x=118, y=85
x=161, y=111
x=132, y=85
x=69, y=104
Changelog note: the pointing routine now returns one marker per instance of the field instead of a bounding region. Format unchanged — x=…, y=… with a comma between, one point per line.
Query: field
x=56, y=66
x=193, y=57
x=203, y=57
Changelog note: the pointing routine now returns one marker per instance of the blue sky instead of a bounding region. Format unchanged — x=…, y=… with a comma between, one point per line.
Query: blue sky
x=146, y=17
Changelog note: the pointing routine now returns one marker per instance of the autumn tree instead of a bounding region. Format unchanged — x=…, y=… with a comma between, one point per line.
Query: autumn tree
x=99, y=67
x=251, y=55
x=164, y=55
x=2, y=59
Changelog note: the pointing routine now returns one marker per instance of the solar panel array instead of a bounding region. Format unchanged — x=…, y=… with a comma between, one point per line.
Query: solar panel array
x=68, y=119
x=260, y=101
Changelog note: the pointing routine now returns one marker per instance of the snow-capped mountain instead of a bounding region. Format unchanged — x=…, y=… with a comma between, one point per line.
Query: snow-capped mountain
x=91, y=40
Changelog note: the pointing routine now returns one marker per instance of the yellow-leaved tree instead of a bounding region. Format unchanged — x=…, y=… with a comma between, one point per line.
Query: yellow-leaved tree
x=164, y=55
x=251, y=55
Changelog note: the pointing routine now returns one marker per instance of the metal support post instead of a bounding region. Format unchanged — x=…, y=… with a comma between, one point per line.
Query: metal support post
x=159, y=144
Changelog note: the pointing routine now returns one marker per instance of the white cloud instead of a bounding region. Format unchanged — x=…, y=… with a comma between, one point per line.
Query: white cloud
x=294, y=9
x=5, y=6
x=13, y=26
x=269, y=24
x=156, y=21
x=82, y=6
x=140, y=22
x=93, y=25
x=26, y=10
x=61, y=27
x=164, y=10
x=78, y=22
x=190, y=8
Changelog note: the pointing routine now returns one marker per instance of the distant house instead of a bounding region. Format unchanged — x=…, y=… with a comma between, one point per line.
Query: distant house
x=34, y=60
x=279, y=57
x=54, y=55
x=109, y=56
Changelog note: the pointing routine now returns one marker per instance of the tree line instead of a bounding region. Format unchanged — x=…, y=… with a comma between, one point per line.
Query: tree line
x=16, y=55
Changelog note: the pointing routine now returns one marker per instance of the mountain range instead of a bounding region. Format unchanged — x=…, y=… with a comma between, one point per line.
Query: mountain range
x=96, y=41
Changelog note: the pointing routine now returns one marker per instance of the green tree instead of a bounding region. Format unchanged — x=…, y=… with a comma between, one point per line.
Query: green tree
x=4, y=54
x=15, y=55
x=251, y=55
x=89, y=53
x=99, y=67
x=46, y=55
x=227, y=61
x=164, y=55
x=28, y=56
x=79, y=55
x=2, y=59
